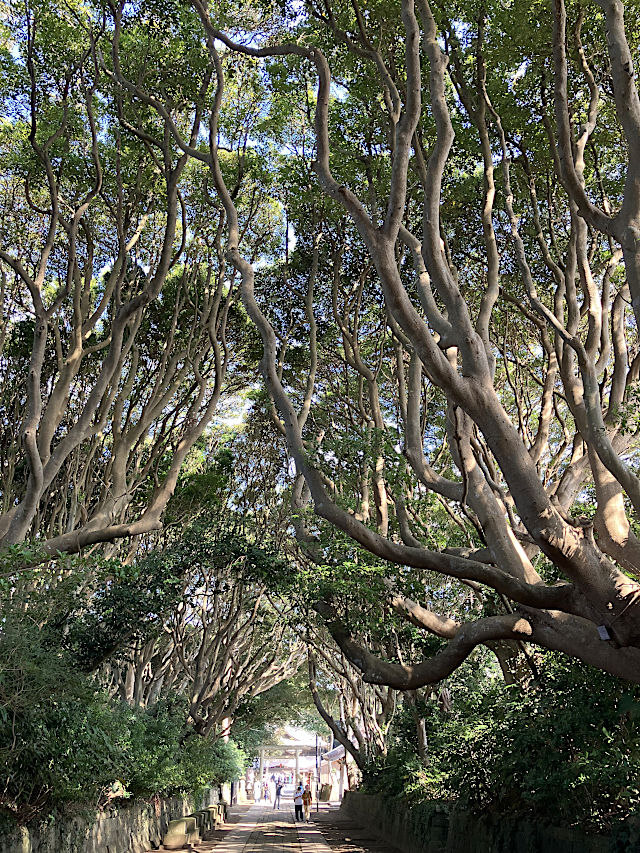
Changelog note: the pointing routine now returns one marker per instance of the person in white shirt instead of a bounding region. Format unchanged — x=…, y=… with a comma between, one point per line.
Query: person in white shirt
x=297, y=802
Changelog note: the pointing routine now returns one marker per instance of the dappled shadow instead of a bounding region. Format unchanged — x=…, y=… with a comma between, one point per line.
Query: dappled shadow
x=345, y=836
x=250, y=830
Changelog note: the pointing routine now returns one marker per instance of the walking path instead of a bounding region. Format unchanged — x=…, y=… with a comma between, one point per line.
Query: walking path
x=260, y=828
x=264, y=829
x=345, y=836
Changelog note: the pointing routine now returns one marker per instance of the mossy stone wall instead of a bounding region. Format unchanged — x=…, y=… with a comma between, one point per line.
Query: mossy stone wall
x=436, y=828
x=130, y=828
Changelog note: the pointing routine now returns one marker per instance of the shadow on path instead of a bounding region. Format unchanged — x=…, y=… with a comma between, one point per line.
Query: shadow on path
x=261, y=829
x=345, y=836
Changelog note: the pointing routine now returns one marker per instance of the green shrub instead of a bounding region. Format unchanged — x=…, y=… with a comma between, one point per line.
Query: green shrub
x=567, y=750
x=62, y=740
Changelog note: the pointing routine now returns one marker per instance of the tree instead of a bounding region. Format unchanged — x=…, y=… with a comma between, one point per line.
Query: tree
x=530, y=424
x=430, y=212
x=361, y=720
x=226, y=638
x=287, y=703
x=118, y=305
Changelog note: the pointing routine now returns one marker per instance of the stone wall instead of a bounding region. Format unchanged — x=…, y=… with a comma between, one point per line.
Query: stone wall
x=434, y=828
x=131, y=828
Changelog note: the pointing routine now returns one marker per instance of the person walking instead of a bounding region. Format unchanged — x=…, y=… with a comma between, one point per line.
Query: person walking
x=297, y=802
x=276, y=799
x=306, y=803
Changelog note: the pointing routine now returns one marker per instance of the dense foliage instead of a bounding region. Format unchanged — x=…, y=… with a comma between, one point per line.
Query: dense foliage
x=129, y=673
x=64, y=740
x=567, y=750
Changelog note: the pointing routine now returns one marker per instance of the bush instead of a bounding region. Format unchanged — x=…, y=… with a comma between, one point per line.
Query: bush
x=567, y=750
x=62, y=740
x=164, y=758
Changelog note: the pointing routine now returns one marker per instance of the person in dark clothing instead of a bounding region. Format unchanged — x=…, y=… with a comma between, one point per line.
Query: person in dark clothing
x=276, y=799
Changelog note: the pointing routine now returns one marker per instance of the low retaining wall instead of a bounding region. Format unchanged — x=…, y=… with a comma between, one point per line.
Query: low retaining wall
x=131, y=828
x=435, y=828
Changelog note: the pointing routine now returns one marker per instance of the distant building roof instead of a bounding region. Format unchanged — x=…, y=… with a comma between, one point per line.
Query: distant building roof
x=334, y=754
x=294, y=736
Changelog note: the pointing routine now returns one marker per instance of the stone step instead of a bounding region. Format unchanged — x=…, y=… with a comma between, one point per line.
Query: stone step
x=181, y=832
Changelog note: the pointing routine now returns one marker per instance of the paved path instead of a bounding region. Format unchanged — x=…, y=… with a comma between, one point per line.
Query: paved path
x=345, y=836
x=261, y=829
x=265, y=830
